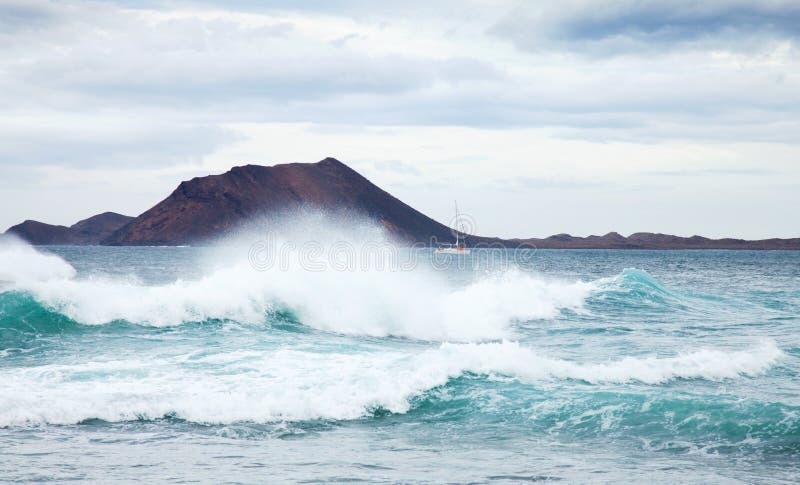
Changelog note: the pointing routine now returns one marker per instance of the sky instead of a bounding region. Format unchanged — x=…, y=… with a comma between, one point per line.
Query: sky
x=543, y=117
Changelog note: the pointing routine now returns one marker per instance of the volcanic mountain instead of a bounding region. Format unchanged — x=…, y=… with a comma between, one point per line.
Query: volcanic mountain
x=88, y=231
x=206, y=207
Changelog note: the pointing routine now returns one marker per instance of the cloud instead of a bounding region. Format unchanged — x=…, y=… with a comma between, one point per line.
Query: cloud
x=17, y=15
x=713, y=172
x=105, y=53
x=105, y=84
x=106, y=80
x=397, y=167
x=525, y=184
x=136, y=140
x=644, y=26
x=341, y=41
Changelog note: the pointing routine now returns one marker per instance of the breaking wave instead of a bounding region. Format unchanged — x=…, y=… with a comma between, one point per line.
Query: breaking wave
x=295, y=385
x=421, y=303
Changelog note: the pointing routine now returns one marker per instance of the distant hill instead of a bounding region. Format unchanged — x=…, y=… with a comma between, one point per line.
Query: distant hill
x=204, y=208
x=36, y=232
x=88, y=231
x=649, y=240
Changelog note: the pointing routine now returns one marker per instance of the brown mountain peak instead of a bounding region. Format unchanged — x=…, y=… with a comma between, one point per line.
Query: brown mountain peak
x=206, y=207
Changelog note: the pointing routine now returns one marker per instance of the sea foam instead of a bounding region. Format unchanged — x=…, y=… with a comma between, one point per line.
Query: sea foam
x=418, y=303
x=22, y=264
x=299, y=384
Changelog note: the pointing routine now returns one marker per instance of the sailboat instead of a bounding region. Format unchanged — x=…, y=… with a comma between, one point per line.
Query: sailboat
x=458, y=247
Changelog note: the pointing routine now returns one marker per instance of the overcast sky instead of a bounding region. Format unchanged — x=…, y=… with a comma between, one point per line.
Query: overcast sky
x=539, y=117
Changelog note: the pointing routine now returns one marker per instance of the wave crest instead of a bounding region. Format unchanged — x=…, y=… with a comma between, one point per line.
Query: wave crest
x=422, y=303
x=297, y=385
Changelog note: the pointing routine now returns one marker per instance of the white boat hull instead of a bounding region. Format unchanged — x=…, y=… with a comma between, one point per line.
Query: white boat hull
x=452, y=250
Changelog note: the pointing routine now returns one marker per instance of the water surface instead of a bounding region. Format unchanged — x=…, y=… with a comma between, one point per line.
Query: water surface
x=186, y=364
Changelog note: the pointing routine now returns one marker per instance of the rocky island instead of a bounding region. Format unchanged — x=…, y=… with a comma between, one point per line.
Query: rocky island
x=204, y=208
x=91, y=231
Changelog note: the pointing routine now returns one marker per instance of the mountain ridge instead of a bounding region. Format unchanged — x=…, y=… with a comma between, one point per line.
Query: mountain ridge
x=650, y=240
x=203, y=208
x=89, y=231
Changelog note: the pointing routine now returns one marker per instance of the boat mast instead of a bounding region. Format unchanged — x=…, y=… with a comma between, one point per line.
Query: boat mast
x=456, y=224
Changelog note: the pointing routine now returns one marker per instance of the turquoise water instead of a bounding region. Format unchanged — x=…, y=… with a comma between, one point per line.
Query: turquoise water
x=186, y=364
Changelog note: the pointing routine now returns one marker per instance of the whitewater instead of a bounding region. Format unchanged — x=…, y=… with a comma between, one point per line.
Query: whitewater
x=190, y=363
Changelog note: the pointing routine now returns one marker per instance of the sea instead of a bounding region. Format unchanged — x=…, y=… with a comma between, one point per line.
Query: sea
x=331, y=363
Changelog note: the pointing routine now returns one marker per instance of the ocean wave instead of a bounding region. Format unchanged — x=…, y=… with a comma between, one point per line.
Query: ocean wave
x=298, y=385
x=666, y=421
x=21, y=264
x=635, y=288
x=23, y=318
x=512, y=359
x=420, y=304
